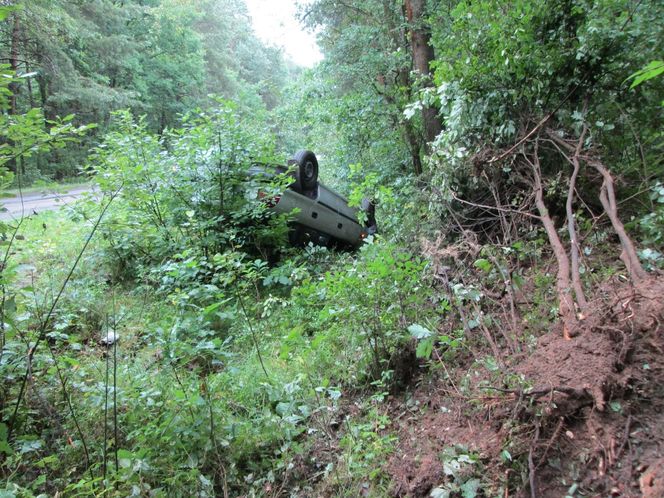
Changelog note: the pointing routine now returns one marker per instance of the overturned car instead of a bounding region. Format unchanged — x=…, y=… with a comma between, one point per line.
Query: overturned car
x=319, y=215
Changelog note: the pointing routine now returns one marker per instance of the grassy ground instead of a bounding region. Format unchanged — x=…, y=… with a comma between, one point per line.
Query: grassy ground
x=197, y=404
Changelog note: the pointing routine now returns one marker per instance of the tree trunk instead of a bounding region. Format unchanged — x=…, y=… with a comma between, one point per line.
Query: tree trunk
x=407, y=131
x=414, y=147
x=423, y=55
x=31, y=97
x=607, y=197
x=13, y=63
x=566, y=308
x=394, y=25
x=13, y=87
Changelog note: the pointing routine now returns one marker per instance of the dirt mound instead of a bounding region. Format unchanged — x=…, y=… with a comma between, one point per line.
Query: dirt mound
x=590, y=421
x=652, y=480
x=571, y=368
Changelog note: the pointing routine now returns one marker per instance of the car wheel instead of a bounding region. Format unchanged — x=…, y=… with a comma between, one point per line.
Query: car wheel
x=369, y=207
x=307, y=170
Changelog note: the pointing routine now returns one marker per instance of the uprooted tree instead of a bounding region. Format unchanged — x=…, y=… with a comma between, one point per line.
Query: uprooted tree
x=535, y=164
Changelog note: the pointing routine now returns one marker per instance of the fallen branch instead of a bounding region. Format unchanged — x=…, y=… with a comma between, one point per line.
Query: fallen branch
x=607, y=197
x=625, y=440
x=571, y=226
x=494, y=208
x=566, y=304
x=552, y=439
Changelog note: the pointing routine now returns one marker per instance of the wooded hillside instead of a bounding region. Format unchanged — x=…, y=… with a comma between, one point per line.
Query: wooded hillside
x=172, y=333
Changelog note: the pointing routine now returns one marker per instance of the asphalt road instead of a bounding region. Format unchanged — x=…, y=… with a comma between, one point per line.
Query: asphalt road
x=35, y=203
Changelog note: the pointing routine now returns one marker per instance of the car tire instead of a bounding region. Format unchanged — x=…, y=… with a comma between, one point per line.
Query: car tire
x=369, y=207
x=307, y=170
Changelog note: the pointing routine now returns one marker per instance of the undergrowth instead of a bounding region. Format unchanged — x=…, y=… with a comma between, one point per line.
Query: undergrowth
x=222, y=366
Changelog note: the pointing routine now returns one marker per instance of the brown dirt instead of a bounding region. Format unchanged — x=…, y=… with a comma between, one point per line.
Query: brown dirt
x=651, y=482
x=586, y=364
x=438, y=423
x=597, y=400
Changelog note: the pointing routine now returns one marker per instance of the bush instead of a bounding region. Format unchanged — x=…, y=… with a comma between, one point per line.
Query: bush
x=353, y=322
x=187, y=190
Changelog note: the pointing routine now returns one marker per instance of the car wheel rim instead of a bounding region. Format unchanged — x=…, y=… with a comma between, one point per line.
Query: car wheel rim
x=308, y=170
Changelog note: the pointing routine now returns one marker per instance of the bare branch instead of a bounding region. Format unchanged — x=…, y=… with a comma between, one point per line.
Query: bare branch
x=566, y=305
x=571, y=226
x=495, y=208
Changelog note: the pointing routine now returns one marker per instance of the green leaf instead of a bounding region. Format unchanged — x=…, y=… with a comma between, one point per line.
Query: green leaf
x=41, y=479
x=451, y=467
x=444, y=306
x=655, y=68
x=517, y=281
x=72, y=362
x=470, y=488
x=425, y=348
x=483, y=264
x=30, y=445
x=125, y=454
x=4, y=445
x=5, y=11
x=419, y=332
x=440, y=493
x=211, y=308
x=125, y=457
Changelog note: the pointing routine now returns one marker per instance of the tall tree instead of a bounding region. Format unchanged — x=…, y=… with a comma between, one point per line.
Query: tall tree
x=423, y=56
x=368, y=56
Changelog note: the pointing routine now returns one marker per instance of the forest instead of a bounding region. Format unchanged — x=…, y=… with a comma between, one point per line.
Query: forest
x=500, y=335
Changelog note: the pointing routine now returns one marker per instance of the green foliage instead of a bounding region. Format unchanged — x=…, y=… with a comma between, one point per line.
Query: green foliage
x=461, y=468
x=652, y=70
x=360, y=313
x=501, y=67
x=366, y=446
x=188, y=191
x=363, y=86
x=425, y=340
x=25, y=135
x=7, y=10
x=159, y=58
x=651, y=226
x=238, y=359
x=28, y=134
x=175, y=370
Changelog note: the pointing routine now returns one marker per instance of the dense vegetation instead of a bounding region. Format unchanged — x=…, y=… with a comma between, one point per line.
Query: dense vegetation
x=501, y=335
x=158, y=58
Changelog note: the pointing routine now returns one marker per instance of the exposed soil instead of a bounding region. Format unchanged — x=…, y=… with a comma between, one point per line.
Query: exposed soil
x=591, y=423
x=416, y=467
